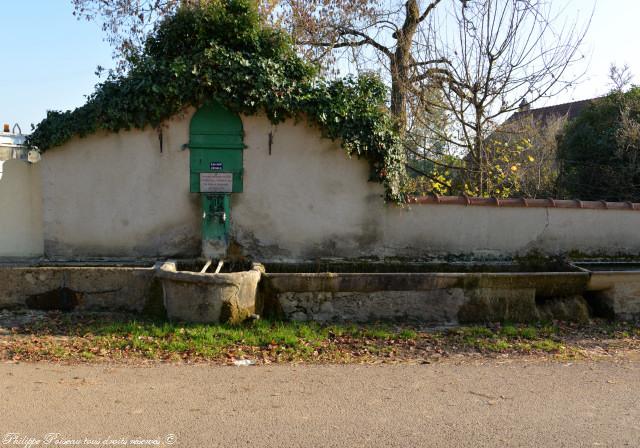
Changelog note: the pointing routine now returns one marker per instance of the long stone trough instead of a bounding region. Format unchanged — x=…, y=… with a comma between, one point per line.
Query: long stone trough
x=97, y=285
x=439, y=298
x=425, y=293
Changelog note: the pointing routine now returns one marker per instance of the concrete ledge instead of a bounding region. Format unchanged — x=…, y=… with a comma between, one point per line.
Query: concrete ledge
x=546, y=283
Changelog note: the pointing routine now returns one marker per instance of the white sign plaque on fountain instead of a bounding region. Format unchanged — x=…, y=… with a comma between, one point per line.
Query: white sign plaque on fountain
x=216, y=182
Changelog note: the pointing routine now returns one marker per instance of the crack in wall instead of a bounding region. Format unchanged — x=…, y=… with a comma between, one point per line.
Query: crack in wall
x=545, y=228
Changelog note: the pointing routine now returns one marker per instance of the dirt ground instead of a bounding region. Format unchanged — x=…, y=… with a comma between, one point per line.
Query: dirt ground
x=481, y=403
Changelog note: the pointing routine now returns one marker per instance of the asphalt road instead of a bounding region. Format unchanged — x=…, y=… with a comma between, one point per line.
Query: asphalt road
x=539, y=404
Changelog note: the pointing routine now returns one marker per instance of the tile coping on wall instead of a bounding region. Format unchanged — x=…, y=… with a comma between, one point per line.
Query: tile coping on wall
x=523, y=202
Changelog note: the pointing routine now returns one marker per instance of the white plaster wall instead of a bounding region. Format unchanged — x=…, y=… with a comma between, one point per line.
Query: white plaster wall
x=307, y=199
x=495, y=232
x=118, y=195
x=20, y=210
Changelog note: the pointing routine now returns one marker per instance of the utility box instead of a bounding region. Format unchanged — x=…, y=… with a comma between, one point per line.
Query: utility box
x=216, y=167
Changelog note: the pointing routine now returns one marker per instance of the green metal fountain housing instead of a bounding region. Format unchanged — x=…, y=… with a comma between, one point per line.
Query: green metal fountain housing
x=216, y=168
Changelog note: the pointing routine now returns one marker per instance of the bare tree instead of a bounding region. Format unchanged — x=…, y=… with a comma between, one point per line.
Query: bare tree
x=620, y=78
x=127, y=23
x=526, y=147
x=485, y=57
x=465, y=62
x=369, y=34
x=500, y=55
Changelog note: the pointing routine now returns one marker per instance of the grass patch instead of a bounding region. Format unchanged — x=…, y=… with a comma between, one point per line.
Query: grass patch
x=88, y=339
x=97, y=337
x=509, y=338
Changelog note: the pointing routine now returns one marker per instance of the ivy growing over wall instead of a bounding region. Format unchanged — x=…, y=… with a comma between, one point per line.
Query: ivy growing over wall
x=223, y=52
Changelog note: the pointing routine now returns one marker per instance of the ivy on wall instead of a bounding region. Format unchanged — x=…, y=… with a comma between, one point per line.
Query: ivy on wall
x=223, y=52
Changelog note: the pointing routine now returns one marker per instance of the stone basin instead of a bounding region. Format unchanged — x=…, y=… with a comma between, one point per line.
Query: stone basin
x=475, y=293
x=225, y=297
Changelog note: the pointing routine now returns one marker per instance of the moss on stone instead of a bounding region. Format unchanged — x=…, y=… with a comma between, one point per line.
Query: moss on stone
x=488, y=305
x=576, y=255
x=537, y=261
x=154, y=302
x=231, y=313
x=570, y=309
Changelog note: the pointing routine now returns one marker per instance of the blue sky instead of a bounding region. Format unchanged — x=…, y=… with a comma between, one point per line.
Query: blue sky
x=49, y=58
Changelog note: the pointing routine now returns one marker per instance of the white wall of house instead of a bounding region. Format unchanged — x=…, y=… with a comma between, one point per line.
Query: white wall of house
x=20, y=210
x=119, y=195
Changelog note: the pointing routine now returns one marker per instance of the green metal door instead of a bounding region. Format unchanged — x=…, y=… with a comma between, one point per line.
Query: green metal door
x=216, y=167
